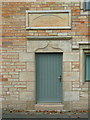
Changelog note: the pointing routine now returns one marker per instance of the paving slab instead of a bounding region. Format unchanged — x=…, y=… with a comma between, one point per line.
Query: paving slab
x=41, y=115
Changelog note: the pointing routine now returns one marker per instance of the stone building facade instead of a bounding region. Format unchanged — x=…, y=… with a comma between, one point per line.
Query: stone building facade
x=34, y=28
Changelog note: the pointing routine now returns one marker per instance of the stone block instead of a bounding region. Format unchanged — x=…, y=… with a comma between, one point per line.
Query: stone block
x=84, y=89
x=30, y=86
x=84, y=85
x=27, y=76
x=67, y=105
x=76, y=89
x=84, y=94
x=26, y=57
x=30, y=105
x=67, y=86
x=71, y=57
x=67, y=67
x=75, y=84
x=80, y=105
x=30, y=66
x=75, y=66
x=71, y=96
x=20, y=86
x=71, y=76
x=30, y=46
x=27, y=96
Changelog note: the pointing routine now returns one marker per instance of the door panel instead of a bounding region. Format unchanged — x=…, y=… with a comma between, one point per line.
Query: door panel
x=48, y=69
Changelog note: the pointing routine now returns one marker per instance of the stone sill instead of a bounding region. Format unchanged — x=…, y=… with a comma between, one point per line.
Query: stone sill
x=49, y=28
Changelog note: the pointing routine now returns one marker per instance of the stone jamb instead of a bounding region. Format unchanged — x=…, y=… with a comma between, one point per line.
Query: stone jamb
x=83, y=50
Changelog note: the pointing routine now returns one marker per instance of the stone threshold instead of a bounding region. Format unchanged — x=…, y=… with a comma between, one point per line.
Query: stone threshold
x=49, y=106
x=49, y=37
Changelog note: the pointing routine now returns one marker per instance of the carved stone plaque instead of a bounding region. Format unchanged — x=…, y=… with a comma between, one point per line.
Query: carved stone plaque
x=56, y=19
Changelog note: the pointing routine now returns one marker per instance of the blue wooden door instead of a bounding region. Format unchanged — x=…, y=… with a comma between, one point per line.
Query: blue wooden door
x=48, y=69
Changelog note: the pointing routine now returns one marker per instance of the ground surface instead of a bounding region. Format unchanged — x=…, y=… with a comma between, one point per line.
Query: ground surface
x=46, y=114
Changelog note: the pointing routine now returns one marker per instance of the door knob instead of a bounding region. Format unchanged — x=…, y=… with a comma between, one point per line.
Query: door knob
x=60, y=78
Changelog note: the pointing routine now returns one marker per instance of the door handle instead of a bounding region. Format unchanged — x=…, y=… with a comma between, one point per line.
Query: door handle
x=60, y=78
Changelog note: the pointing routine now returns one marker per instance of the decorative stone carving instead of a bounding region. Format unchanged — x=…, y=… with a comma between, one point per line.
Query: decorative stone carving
x=49, y=48
x=51, y=19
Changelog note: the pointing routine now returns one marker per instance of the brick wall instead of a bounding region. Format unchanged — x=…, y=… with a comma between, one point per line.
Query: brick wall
x=15, y=91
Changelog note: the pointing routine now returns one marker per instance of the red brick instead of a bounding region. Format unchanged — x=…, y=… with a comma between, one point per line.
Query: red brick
x=4, y=79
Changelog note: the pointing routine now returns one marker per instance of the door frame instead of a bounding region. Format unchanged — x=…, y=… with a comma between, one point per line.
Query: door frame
x=47, y=52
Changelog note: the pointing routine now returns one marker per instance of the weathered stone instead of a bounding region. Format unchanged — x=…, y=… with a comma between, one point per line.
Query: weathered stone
x=30, y=86
x=71, y=96
x=27, y=76
x=20, y=86
x=80, y=105
x=76, y=89
x=30, y=105
x=30, y=66
x=44, y=20
x=75, y=84
x=67, y=86
x=67, y=67
x=26, y=57
x=71, y=57
x=27, y=96
x=84, y=94
x=70, y=76
x=67, y=105
x=20, y=46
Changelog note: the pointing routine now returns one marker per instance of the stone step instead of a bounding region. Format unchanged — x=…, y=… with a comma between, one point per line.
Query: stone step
x=48, y=107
